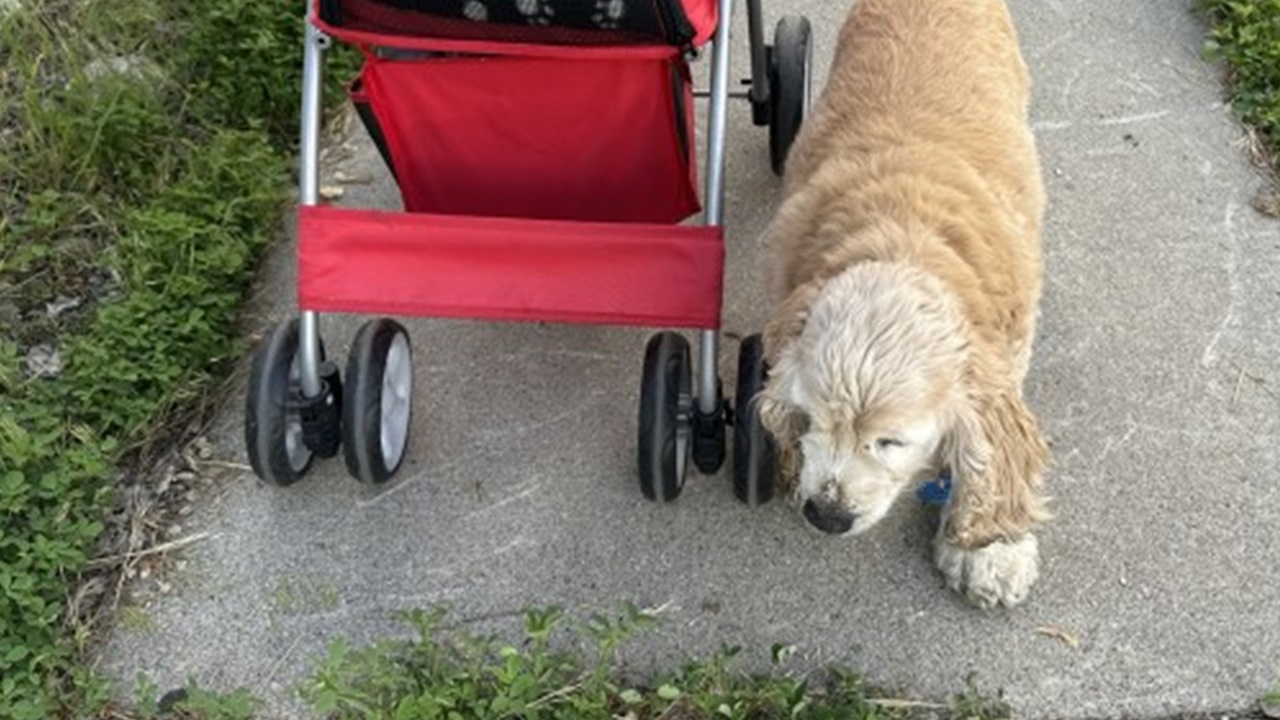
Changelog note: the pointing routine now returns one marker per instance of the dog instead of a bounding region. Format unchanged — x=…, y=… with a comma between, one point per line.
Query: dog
x=906, y=264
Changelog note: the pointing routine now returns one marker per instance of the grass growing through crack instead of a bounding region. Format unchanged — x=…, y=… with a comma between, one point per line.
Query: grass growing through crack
x=562, y=669
x=559, y=668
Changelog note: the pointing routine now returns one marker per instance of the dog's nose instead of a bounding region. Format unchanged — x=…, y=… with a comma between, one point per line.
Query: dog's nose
x=828, y=517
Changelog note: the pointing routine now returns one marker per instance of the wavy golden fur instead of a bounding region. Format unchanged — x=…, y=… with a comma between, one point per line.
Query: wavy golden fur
x=906, y=261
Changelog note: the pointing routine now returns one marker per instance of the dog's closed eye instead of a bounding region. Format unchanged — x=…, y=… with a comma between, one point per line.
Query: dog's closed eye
x=886, y=443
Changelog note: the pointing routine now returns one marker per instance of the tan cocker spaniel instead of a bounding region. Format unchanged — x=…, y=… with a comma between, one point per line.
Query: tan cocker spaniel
x=906, y=259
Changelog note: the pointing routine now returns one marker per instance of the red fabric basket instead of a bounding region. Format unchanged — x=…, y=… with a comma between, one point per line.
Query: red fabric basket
x=547, y=138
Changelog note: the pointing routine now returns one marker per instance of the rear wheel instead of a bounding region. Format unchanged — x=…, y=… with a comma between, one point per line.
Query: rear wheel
x=755, y=464
x=666, y=405
x=378, y=403
x=790, y=66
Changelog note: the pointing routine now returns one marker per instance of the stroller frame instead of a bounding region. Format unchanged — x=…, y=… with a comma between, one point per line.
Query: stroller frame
x=701, y=411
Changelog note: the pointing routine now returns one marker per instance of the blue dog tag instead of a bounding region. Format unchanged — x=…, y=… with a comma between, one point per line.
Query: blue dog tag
x=937, y=491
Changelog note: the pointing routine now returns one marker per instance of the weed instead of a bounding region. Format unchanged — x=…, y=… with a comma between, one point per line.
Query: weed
x=147, y=197
x=1246, y=35
x=443, y=672
x=1270, y=703
x=190, y=702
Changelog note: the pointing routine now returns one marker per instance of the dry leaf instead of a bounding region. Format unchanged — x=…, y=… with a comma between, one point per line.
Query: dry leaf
x=348, y=179
x=1058, y=633
x=331, y=192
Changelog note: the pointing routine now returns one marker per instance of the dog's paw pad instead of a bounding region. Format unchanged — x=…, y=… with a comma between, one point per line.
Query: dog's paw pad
x=1001, y=573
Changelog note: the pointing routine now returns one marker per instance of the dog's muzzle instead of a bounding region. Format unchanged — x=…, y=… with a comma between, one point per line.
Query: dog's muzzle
x=828, y=516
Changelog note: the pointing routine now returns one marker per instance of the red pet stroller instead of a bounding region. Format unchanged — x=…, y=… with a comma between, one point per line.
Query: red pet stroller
x=545, y=155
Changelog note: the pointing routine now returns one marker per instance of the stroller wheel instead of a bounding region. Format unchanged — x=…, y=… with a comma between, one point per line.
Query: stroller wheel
x=666, y=404
x=790, y=62
x=754, y=457
x=273, y=427
x=378, y=402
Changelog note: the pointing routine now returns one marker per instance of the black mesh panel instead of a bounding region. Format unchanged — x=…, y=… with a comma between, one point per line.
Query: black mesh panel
x=662, y=20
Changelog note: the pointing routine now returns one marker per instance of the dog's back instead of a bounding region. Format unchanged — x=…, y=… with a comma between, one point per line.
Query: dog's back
x=923, y=121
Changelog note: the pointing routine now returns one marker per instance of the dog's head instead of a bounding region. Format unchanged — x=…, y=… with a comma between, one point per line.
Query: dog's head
x=874, y=380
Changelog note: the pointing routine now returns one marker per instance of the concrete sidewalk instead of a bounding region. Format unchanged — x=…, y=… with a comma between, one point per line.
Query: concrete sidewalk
x=1156, y=378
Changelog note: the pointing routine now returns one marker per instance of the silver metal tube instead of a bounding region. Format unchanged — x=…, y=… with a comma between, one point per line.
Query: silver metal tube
x=708, y=347
x=709, y=352
x=309, y=194
x=717, y=115
x=312, y=75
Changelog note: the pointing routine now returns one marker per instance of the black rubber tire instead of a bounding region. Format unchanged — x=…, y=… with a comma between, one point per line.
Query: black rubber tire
x=272, y=421
x=755, y=463
x=665, y=403
x=371, y=454
x=790, y=60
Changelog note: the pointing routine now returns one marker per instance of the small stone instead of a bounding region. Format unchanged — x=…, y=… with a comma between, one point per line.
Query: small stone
x=204, y=448
x=163, y=587
x=1267, y=202
x=10, y=313
x=43, y=361
x=331, y=192
x=136, y=66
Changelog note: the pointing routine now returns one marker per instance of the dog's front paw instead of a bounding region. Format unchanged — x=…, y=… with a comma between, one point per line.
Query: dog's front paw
x=1000, y=573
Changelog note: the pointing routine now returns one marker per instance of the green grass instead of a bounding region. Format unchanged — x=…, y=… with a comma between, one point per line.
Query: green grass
x=145, y=148
x=563, y=669
x=1246, y=35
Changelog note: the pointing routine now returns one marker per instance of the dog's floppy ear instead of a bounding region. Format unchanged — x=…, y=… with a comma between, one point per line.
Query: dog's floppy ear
x=776, y=402
x=788, y=320
x=997, y=457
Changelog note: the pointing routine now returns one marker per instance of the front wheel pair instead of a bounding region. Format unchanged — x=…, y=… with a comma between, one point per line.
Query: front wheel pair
x=667, y=416
x=368, y=416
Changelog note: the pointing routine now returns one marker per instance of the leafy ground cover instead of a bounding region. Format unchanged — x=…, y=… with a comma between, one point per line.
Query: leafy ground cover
x=144, y=156
x=1245, y=35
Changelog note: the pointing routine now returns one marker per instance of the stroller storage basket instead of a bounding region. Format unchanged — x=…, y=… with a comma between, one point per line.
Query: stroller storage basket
x=546, y=138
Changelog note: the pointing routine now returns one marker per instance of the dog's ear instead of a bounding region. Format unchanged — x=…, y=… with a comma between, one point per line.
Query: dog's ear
x=997, y=458
x=788, y=320
x=777, y=403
